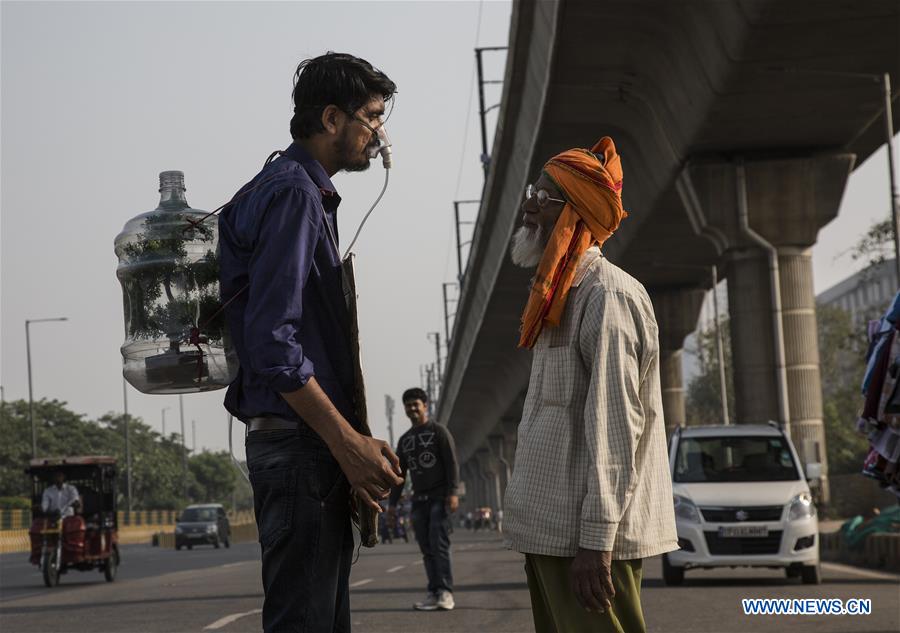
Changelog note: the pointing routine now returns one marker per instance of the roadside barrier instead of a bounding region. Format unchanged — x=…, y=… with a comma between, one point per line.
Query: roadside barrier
x=879, y=551
x=134, y=527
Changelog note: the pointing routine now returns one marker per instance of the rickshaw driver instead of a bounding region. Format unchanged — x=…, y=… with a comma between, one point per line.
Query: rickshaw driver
x=60, y=497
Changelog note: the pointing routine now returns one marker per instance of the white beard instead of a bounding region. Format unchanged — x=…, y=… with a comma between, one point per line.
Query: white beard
x=527, y=247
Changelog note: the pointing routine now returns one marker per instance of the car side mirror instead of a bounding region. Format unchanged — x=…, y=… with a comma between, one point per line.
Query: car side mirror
x=814, y=472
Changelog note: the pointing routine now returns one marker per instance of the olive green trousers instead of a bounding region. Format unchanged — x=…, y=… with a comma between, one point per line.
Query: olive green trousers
x=556, y=610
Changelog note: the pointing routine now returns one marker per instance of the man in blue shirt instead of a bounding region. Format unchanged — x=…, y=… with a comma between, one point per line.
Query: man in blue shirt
x=281, y=281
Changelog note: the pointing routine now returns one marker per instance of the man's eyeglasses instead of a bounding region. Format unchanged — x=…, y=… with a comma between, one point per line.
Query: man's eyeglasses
x=540, y=196
x=359, y=119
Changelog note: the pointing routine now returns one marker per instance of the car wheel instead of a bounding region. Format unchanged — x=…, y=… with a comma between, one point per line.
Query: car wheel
x=672, y=576
x=177, y=547
x=811, y=575
x=216, y=543
x=792, y=572
x=227, y=542
x=190, y=546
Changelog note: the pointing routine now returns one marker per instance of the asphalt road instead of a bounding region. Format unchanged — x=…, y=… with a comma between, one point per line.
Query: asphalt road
x=219, y=590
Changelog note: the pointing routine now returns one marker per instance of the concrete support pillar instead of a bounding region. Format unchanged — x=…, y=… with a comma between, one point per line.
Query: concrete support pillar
x=677, y=310
x=497, y=448
x=490, y=467
x=787, y=202
x=467, y=475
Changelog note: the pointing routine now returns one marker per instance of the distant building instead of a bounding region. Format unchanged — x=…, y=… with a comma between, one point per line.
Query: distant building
x=866, y=294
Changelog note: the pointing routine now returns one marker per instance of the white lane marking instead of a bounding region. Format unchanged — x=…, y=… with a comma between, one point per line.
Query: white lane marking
x=228, y=619
x=397, y=568
x=418, y=562
x=360, y=583
x=847, y=569
x=243, y=562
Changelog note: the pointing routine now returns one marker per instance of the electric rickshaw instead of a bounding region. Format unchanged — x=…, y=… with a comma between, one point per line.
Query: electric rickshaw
x=86, y=540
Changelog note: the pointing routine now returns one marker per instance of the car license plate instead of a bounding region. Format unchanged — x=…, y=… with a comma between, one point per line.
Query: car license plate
x=738, y=531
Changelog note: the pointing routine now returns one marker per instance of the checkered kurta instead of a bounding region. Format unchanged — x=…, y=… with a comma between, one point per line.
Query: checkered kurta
x=591, y=466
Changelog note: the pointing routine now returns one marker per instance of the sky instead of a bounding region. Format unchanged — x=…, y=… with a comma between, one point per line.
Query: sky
x=97, y=98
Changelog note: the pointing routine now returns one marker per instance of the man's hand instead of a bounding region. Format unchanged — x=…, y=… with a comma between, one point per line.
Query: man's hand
x=591, y=578
x=371, y=467
x=452, y=503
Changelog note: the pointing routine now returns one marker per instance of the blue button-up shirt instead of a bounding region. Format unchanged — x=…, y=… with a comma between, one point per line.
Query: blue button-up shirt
x=288, y=321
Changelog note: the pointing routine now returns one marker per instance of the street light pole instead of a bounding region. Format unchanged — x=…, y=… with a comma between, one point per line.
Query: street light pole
x=446, y=315
x=723, y=391
x=183, y=448
x=28, y=323
x=127, y=445
x=895, y=212
x=164, y=421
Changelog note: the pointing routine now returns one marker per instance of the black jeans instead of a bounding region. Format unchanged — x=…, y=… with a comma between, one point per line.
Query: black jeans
x=302, y=504
x=432, y=526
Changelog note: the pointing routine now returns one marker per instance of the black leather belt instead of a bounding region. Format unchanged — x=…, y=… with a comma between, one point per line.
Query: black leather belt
x=271, y=424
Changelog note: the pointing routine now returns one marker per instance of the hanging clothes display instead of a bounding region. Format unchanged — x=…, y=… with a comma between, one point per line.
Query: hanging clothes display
x=879, y=419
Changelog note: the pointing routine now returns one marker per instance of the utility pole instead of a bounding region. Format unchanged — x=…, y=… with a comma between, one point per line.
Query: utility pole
x=437, y=352
x=28, y=323
x=482, y=110
x=194, y=435
x=389, y=412
x=429, y=388
x=127, y=445
x=446, y=315
x=164, y=421
x=183, y=448
x=459, y=242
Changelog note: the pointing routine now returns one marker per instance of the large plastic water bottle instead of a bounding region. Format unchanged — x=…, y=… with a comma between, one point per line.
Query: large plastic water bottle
x=175, y=335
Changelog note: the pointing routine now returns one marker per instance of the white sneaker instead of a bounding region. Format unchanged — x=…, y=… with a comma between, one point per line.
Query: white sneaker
x=430, y=603
x=445, y=601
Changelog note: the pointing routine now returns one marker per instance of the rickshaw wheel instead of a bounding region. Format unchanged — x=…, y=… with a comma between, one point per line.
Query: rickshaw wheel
x=51, y=573
x=112, y=565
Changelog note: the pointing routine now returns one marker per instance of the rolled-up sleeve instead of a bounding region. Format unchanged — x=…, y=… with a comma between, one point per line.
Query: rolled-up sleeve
x=278, y=271
x=613, y=421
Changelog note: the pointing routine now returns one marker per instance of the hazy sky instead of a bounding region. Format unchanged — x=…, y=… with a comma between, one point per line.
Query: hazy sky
x=98, y=98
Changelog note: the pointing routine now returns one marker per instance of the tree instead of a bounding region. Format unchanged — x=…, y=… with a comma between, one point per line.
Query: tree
x=214, y=477
x=703, y=402
x=157, y=475
x=842, y=349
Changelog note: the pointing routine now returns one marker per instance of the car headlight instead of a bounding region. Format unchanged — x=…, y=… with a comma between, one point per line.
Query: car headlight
x=802, y=507
x=178, y=529
x=212, y=528
x=686, y=509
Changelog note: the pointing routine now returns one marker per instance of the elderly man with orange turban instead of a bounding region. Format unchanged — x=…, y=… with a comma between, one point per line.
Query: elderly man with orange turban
x=590, y=495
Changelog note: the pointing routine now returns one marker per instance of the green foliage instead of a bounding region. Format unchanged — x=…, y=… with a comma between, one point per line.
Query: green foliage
x=15, y=503
x=842, y=349
x=703, y=401
x=876, y=244
x=157, y=470
x=169, y=286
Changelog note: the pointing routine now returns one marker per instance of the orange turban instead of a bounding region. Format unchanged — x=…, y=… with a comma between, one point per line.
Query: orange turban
x=593, y=191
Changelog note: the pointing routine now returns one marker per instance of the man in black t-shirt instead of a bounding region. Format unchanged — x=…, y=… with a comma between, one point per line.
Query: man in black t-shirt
x=428, y=453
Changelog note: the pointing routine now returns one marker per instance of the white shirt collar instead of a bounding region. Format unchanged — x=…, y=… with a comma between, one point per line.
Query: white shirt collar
x=584, y=263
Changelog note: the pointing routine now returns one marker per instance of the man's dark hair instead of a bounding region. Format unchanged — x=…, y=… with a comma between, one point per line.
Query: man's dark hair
x=415, y=394
x=334, y=79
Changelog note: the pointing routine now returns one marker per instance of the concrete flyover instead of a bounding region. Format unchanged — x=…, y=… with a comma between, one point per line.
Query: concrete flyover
x=715, y=107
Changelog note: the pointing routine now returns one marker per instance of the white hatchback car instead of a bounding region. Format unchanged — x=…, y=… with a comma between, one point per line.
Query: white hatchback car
x=742, y=500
